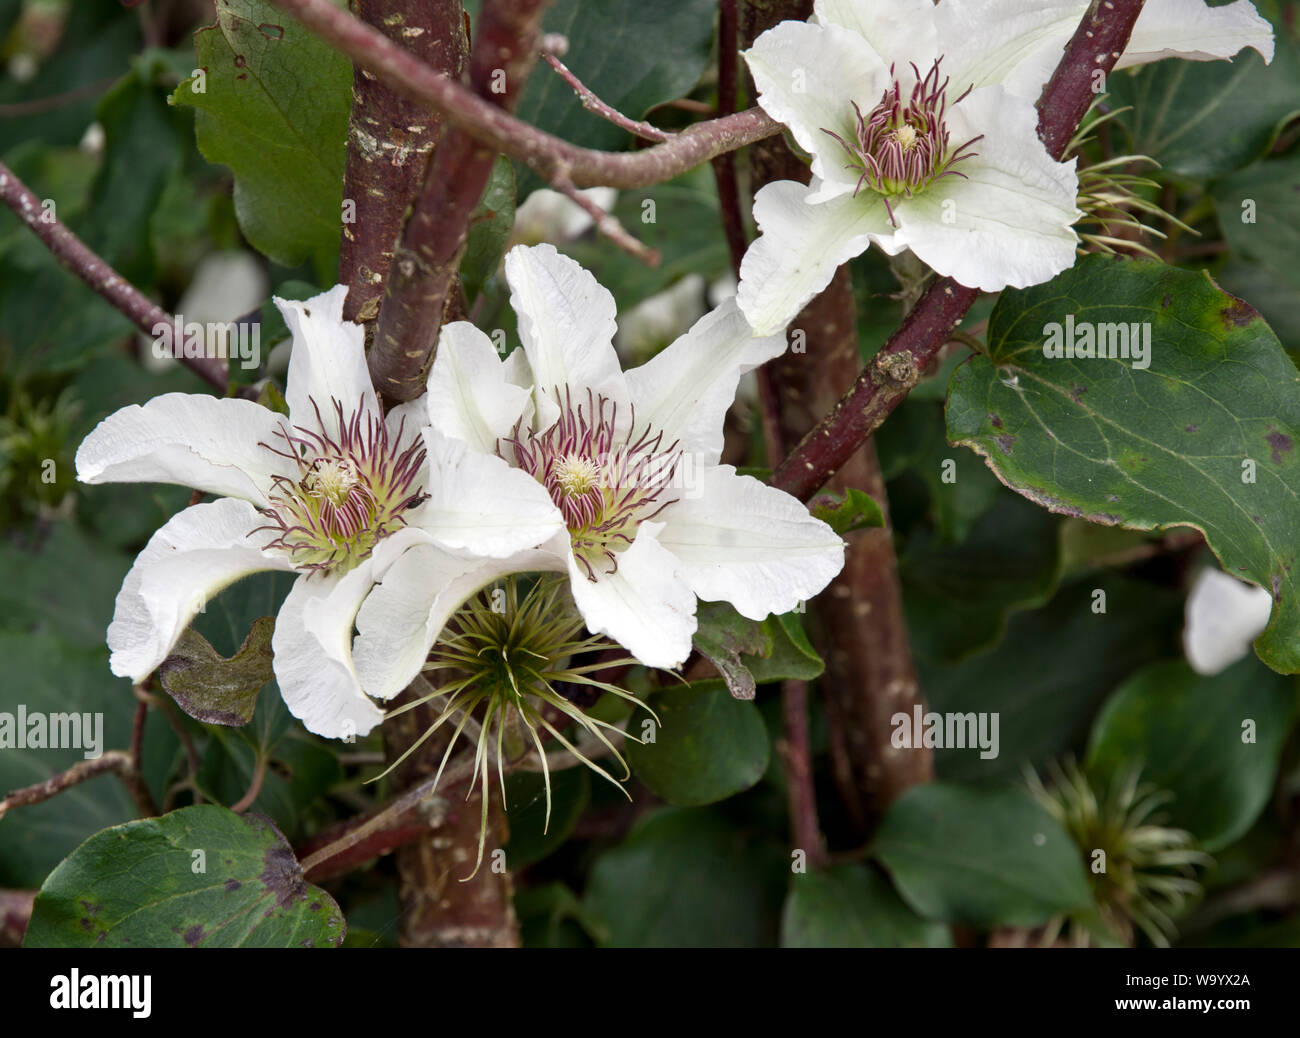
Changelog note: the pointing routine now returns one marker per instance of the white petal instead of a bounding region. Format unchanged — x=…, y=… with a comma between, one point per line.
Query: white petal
x=685, y=390
x=192, y=557
x=313, y=654
x=468, y=396
x=800, y=247
x=743, y=542
x=204, y=442
x=480, y=505
x=1009, y=221
x=900, y=31
x=403, y=616
x=1019, y=43
x=807, y=77
x=1189, y=29
x=644, y=605
x=328, y=362
x=313, y=643
x=566, y=323
x=1223, y=617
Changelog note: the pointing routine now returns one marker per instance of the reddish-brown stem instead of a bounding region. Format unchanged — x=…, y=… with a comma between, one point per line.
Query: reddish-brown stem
x=645, y=131
x=800, y=792
x=426, y=261
x=1095, y=46
x=548, y=155
x=74, y=254
x=390, y=137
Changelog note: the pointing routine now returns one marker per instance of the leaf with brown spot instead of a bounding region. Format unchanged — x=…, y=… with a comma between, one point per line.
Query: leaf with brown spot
x=1155, y=447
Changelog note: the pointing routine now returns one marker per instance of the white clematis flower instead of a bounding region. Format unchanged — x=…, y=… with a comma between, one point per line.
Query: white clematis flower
x=334, y=493
x=631, y=461
x=921, y=125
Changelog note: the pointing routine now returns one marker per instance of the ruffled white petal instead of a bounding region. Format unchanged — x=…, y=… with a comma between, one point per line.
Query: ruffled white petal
x=1009, y=220
x=1189, y=29
x=900, y=31
x=190, y=559
x=1019, y=43
x=327, y=363
x=198, y=441
x=644, y=605
x=479, y=505
x=800, y=247
x=469, y=397
x=313, y=644
x=685, y=390
x=403, y=615
x=566, y=323
x=743, y=542
x=807, y=76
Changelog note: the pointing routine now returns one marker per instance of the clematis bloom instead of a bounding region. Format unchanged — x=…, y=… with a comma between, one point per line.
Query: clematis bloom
x=335, y=492
x=652, y=521
x=920, y=122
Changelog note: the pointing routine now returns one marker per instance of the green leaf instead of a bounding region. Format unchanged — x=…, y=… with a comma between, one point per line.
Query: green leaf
x=215, y=689
x=1201, y=119
x=708, y=745
x=1214, y=742
x=853, y=906
x=632, y=55
x=1174, y=444
x=685, y=878
x=852, y=510
x=747, y=652
x=1051, y=671
x=275, y=110
x=489, y=229
x=531, y=839
x=982, y=857
x=1271, y=238
x=551, y=917
x=958, y=596
x=197, y=877
x=46, y=674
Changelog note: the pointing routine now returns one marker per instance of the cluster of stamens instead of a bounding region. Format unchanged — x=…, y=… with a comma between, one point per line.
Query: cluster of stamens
x=604, y=482
x=350, y=492
x=902, y=146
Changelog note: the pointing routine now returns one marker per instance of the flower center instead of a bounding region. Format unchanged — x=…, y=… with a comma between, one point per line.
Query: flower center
x=902, y=146
x=351, y=491
x=604, y=482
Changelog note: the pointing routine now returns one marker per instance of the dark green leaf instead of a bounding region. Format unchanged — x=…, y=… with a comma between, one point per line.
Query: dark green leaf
x=1214, y=742
x=853, y=906
x=197, y=877
x=707, y=746
x=531, y=839
x=683, y=878
x=985, y=858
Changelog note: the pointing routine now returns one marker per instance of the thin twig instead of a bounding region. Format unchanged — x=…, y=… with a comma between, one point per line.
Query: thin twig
x=111, y=762
x=797, y=751
x=609, y=225
x=49, y=104
x=254, y=786
x=548, y=155
x=608, y=112
x=74, y=254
